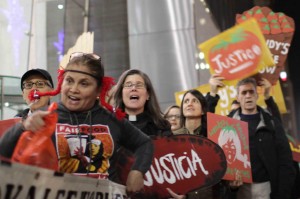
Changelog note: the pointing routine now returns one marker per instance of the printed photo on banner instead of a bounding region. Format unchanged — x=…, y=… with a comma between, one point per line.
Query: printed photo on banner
x=232, y=136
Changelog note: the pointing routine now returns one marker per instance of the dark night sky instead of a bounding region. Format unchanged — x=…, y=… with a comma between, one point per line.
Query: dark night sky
x=290, y=9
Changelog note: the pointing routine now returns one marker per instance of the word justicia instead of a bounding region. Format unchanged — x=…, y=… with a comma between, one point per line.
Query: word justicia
x=170, y=169
x=236, y=57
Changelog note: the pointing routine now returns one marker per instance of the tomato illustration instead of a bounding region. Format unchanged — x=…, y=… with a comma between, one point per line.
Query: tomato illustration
x=236, y=57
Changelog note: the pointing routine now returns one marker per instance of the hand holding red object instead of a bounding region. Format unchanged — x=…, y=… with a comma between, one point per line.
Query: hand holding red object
x=36, y=148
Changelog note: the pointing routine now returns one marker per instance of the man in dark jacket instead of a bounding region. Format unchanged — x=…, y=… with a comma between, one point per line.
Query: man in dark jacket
x=39, y=80
x=270, y=155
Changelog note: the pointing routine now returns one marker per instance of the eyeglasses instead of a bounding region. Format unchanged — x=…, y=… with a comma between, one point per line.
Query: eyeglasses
x=130, y=85
x=38, y=84
x=89, y=55
x=169, y=117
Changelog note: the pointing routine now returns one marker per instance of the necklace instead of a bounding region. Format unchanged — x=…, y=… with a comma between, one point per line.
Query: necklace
x=81, y=136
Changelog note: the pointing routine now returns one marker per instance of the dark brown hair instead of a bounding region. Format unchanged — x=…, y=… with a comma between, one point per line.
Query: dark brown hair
x=202, y=101
x=151, y=106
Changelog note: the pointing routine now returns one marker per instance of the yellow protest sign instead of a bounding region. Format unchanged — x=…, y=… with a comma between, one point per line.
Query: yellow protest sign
x=228, y=94
x=238, y=52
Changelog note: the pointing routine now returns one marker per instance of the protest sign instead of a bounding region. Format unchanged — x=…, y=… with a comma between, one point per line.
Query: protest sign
x=22, y=181
x=278, y=30
x=232, y=136
x=295, y=147
x=238, y=52
x=181, y=162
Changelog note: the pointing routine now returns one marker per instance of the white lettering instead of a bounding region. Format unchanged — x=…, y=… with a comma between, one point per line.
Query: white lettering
x=196, y=159
x=171, y=169
x=236, y=57
x=270, y=70
x=276, y=45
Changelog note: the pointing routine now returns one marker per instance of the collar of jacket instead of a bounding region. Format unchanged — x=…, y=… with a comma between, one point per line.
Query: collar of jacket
x=236, y=115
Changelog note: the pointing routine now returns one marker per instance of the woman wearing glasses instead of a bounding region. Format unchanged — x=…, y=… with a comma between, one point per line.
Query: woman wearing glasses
x=135, y=95
x=82, y=121
x=173, y=115
x=38, y=80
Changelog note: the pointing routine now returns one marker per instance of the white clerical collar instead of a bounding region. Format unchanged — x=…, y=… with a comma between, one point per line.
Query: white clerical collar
x=132, y=118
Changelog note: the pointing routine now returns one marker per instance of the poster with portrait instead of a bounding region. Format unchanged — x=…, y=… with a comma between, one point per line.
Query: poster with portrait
x=232, y=136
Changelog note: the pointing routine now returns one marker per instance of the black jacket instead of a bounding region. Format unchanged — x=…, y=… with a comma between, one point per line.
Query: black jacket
x=145, y=123
x=274, y=151
x=23, y=114
x=117, y=133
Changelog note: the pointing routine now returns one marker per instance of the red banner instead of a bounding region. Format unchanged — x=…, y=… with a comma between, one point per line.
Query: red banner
x=232, y=136
x=182, y=163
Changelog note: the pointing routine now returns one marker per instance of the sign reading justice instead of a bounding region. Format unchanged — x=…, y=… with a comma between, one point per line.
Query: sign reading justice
x=238, y=52
x=181, y=162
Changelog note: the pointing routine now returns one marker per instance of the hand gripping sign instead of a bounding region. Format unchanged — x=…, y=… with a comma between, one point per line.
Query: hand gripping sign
x=238, y=52
x=181, y=162
x=278, y=30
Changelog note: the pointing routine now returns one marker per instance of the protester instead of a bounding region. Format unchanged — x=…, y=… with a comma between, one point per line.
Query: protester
x=135, y=95
x=172, y=114
x=38, y=80
x=194, y=121
x=270, y=155
x=194, y=107
x=269, y=100
x=84, y=127
x=274, y=110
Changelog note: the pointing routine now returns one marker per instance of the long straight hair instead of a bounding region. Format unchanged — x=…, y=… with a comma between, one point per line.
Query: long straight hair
x=151, y=107
x=203, y=103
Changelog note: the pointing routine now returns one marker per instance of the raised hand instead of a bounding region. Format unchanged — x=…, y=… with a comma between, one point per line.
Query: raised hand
x=215, y=82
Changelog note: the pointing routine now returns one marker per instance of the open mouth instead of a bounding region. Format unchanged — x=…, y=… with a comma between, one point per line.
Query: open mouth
x=73, y=98
x=134, y=97
x=241, y=67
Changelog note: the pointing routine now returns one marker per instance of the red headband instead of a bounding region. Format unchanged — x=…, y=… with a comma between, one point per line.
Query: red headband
x=107, y=83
